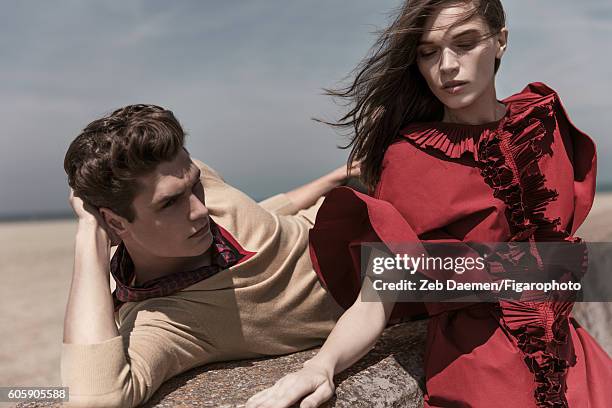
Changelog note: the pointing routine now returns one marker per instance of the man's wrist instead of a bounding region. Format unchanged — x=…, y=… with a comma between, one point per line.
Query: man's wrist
x=334, y=179
x=87, y=227
x=87, y=223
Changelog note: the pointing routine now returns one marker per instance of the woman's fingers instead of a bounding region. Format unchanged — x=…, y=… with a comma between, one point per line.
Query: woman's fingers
x=279, y=396
x=324, y=392
x=291, y=392
x=257, y=400
x=290, y=389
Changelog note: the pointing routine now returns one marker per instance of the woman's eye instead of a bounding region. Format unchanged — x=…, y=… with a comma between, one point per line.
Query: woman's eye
x=426, y=53
x=466, y=45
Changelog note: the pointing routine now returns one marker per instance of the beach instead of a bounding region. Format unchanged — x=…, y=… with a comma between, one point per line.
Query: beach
x=36, y=259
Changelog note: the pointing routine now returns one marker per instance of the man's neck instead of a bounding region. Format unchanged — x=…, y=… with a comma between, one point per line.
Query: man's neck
x=148, y=267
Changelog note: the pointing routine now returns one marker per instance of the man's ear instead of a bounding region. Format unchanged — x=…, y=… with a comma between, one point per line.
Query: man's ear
x=116, y=225
x=502, y=42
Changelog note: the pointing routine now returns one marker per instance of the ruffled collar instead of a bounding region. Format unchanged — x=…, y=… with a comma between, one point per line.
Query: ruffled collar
x=455, y=139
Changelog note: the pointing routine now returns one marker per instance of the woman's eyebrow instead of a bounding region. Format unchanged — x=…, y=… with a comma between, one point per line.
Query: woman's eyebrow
x=466, y=32
x=455, y=36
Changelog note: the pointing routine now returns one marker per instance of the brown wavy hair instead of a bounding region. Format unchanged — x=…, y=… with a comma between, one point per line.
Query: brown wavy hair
x=104, y=161
x=388, y=92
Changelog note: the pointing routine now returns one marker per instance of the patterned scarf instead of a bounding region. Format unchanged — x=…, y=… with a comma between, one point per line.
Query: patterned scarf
x=224, y=255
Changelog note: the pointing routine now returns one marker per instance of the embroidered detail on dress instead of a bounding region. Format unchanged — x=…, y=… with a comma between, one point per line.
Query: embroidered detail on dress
x=508, y=156
x=509, y=164
x=453, y=144
x=541, y=330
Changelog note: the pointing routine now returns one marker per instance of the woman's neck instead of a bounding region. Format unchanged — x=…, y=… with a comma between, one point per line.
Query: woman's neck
x=485, y=109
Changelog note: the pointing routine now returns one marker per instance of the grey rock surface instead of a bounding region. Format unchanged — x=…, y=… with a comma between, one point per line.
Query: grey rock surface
x=391, y=375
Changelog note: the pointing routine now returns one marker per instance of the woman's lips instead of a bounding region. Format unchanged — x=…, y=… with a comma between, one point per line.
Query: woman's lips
x=454, y=87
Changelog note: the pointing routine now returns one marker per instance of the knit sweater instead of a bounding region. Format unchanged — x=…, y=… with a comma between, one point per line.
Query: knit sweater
x=270, y=304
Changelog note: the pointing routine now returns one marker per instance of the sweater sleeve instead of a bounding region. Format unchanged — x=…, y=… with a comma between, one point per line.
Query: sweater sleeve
x=157, y=341
x=279, y=204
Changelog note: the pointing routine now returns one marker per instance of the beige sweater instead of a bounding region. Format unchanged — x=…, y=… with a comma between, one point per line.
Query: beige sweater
x=270, y=304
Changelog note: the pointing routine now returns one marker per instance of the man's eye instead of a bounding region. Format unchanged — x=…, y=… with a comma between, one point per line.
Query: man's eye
x=169, y=203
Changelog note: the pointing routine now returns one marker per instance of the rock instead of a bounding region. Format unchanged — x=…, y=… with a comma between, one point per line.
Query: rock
x=391, y=375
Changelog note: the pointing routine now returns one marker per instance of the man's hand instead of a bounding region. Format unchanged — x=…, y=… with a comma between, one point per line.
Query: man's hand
x=89, y=315
x=88, y=214
x=315, y=382
x=308, y=194
x=341, y=174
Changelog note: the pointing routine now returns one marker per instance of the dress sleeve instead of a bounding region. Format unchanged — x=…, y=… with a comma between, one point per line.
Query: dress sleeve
x=584, y=161
x=348, y=218
x=155, y=343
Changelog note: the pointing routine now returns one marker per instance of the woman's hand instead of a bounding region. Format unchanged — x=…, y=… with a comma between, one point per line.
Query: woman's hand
x=88, y=214
x=314, y=382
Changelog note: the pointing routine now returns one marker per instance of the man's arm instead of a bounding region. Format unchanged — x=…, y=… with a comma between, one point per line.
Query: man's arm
x=89, y=313
x=103, y=365
x=306, y=195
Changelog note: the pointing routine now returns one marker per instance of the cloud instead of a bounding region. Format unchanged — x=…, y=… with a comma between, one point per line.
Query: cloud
x=243, y=77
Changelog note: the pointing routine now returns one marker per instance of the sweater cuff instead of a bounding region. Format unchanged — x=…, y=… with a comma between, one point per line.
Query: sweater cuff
x=94, y=369
x=310, y=213
x=279, y=204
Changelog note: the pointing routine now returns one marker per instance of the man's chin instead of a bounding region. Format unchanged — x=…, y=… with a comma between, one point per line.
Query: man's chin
x=205, y=243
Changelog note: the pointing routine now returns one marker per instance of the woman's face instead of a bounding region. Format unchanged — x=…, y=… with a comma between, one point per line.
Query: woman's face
x=457, y=63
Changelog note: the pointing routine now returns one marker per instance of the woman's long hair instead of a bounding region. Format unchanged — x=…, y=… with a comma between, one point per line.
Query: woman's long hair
x=388, y=92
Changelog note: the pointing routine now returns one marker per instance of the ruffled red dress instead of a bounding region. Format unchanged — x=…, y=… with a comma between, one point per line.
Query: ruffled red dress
x=528, y=177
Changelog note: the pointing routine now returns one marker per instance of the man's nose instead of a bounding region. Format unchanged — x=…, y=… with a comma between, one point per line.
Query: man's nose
x=449, y=63
x=198, y=209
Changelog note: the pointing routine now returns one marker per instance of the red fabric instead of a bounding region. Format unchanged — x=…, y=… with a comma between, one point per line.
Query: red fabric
x=529, y=177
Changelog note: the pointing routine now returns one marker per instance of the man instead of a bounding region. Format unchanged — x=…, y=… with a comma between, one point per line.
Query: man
x=203, y=272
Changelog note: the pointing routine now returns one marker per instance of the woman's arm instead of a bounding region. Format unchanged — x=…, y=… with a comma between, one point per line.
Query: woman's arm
x=306, y=195
x=353, y=337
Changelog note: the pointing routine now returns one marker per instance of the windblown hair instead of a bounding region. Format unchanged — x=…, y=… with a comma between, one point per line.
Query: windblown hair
x=104, y=161
x=388, y=92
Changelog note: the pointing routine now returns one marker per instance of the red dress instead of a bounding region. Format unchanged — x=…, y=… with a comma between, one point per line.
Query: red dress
x=528, y=177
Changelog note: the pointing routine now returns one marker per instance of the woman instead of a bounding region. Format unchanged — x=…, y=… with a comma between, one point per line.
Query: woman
x=448, y=162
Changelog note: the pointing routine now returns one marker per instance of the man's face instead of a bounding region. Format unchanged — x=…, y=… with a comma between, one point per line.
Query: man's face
x=171, y=218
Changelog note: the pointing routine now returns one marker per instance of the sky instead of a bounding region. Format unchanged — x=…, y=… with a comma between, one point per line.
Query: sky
x=245, y=78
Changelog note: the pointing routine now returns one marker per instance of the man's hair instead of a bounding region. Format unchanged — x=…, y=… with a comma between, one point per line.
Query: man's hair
x=104, y=161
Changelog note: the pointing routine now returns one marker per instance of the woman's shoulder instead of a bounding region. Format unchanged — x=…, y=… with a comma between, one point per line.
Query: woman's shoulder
x=537, y=101
x=534, y=95
x=404, y=161
x=402, y=154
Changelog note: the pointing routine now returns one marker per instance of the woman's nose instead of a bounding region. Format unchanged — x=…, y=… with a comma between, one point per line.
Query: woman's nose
x=449, y=63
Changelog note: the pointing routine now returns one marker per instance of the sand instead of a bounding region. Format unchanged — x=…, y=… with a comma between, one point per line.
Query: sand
x=36, y=266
